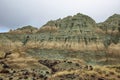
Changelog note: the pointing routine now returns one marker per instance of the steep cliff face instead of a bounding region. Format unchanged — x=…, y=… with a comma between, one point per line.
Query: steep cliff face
x=76, y=22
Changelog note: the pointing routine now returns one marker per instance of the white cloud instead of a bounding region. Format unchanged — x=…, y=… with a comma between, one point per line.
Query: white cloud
x=16, y=13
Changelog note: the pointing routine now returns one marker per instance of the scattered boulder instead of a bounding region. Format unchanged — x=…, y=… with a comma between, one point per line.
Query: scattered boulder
x=101, y=79
x=88, y=67
x=49, y=63
x=5, y=71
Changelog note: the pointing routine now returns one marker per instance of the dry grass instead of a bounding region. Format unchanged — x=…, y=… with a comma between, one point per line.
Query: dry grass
x=68, y=45
x=98, y=72
x=114, y=48
x=64, y=73
x=74, y=46
x=19, y=59
x=7, y=45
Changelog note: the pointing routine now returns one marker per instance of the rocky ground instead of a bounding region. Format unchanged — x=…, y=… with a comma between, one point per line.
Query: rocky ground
x=26, y=67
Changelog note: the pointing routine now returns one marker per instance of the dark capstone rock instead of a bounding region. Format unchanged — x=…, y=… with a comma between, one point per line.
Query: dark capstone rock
x=1, y=78
x=86, y=67
x=107, y=75
x=64, y=61
x=4, y=71
x=45, y=78
x=90, y=68
x=77, y=64
x=14, y=71
x=92, y=76
x=112, y=73
x=26, y=73
x=10, y=78
x=25, y=77
x=118, y=76
x=101, y=79
x=5, y=66
x=49, y=63
x=54, y=70
x=33, y=79
x=47, y=72
x=34, y=75
x=1, y=62
x=20, y=78
x=41, y=76
x=69, y=62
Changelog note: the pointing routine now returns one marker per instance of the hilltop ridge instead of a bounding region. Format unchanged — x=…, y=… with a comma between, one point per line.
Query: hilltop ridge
x=25, y=29
x=78, y=22
x=111, y=22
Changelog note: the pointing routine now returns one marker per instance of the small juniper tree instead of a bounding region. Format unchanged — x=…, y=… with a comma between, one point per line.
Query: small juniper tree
x=85, y=40
x=113, y=29
x=26, y=40
x=107, y=42
x=65, y=39
x=119, y=29
x=115, y=39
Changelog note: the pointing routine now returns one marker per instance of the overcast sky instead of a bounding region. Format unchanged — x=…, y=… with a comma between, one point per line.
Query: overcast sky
x=18, y=13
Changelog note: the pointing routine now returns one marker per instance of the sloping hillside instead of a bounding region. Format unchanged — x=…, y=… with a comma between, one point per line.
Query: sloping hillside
x=112, y=23
x=24, y=30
